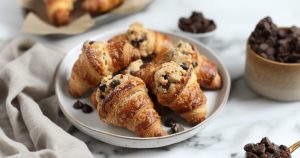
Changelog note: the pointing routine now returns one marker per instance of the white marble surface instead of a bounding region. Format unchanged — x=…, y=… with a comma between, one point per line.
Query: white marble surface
x=247, y=116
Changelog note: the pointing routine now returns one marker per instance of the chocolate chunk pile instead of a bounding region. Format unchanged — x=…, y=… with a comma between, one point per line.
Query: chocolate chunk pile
x=266, y=149
x=85, y=108
x=277, y=44
x=196, y=23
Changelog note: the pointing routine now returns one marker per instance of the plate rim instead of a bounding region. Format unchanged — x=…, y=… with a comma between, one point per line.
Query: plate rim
x=117, y=31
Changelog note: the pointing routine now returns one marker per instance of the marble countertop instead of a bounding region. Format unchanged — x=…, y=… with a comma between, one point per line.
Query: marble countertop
x=247, y=116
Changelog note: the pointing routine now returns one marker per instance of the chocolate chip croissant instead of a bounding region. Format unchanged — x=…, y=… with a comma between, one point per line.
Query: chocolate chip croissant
x=149, y=42
x=58, y=11
x=176, y=86
x=100, y=6
x=185, y=54
x=99, y=59
x=123, y=101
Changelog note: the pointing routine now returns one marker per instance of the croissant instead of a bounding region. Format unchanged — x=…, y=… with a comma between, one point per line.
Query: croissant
x=99, y=6
x=99, y=59
x=186, y=54
x=58, y=11
x=176, y=86
x=147, y=41
x=123, y=101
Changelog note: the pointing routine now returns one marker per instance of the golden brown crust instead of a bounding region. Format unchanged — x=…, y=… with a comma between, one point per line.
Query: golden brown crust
x=146, y=73
x=207, y=73
x=99, y=59
x=100, y=6
x=58, y=11
x=93, y=99
x=128, y=105
x=122, y=53
x=148, y=41
x=177, y=88
x=184, y=53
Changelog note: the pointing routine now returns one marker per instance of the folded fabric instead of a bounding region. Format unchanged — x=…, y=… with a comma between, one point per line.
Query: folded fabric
x=31, y=124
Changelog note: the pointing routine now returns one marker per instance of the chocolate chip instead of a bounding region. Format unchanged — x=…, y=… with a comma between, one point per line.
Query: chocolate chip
x=167, y=86
x=169, y=122
x=184, y=52
x=91, y=42
x=266, y=141
x=179, y=45
x=102, y=96
x=115, y=83
x=248, y=147
x=78, y=104
x=175, y=128
x=144, y=38
x=165, y=76
x=102, y=87
x=184, y=66
x=259, y=149
x=270, y=51
x=135, y=43
x=87, y=108
x=263, y=46
x=194, y=64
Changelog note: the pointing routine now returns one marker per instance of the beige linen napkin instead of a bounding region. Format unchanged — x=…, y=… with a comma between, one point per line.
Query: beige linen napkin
x=30, y=121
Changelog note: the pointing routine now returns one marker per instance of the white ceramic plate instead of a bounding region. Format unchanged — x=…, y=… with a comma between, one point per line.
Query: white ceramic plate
x=92, y=125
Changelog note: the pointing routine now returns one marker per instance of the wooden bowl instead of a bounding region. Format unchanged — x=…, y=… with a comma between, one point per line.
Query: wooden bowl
x=274, y=80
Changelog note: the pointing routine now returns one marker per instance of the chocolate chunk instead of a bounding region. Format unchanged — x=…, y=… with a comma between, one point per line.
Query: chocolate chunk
x=115, y=83
x=169, y=122
x=135, y=43
x=167, y=86
x=102, y=96
x=102, y=87
x=91, y=42
x=251, y=155
x=184, y=66
x=165, y=76
x=248, y=147
x=263, y=46
x=87, y=108
x=78, y=104
x=175, y=128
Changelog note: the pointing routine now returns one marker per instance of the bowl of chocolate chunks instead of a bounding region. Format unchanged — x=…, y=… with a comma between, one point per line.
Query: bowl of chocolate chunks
x=273, y=61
